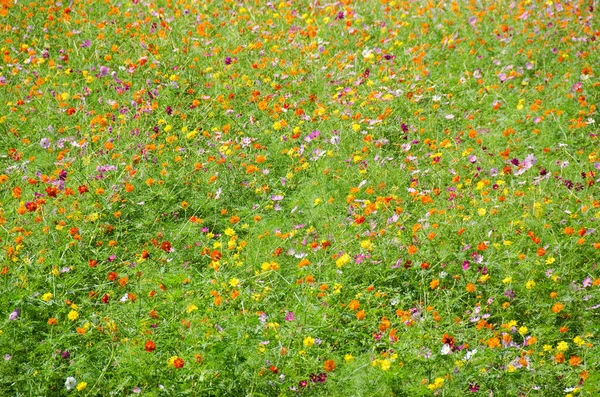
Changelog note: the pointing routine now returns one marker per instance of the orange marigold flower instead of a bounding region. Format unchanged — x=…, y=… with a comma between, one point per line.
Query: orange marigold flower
x=360, y=315
x=329, y=365
x=493, y=342
x=178, y=363
x=354, y=305
x=574, y=361
x=150, y=346
x=557, y=307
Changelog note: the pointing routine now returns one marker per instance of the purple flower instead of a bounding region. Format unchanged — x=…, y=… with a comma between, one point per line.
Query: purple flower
x=15, y=314
x=85, y=44
x=473, y=387
x=289, y=316
x=45, y=143
x=228, y=60
x=66, y=355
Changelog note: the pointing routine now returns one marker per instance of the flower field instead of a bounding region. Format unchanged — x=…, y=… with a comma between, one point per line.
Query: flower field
x=345, y=198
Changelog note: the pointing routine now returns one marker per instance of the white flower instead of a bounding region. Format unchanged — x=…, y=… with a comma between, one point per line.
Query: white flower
x=446, y=349
x=70, y=383
x=470, y=354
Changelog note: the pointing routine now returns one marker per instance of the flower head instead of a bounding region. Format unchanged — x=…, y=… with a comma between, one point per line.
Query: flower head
x=70, y=383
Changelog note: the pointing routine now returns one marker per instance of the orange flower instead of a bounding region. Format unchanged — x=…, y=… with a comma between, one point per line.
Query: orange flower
x=329, y=365
x=434, y=284
x=575, y=361
x=303, y=262
x=493, y=342
x=557, y=307
x=178, y=363
x=412, y=249
x=354, y=305
x=360, y=315
x=52, y=321
x=470, y=287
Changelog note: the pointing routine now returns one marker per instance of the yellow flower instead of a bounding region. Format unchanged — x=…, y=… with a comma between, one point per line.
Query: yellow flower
x=234, y=282
x=523, y=330
x=562, y=346
x=47, y=297
x=342, y=260
x=308, y=341
x=81, y=386
x=385, y=364
x=191, y=308
x=348, y=357
x=437, y=383
x=367, y=244
x=73, y=315
x=530, y=284
x=578, y=341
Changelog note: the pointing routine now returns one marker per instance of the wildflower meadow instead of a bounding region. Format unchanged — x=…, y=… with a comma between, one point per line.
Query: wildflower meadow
x=299, y=198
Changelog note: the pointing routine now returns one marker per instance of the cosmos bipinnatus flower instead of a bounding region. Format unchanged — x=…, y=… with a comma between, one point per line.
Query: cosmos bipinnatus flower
x=15, y=314
x=70, y=383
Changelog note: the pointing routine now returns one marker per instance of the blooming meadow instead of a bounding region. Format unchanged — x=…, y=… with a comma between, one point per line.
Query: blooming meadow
x=361, y=198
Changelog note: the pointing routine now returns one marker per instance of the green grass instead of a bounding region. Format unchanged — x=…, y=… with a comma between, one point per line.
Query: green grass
x=243, y=198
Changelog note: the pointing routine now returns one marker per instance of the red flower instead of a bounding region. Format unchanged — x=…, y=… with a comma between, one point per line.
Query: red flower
x=112, y=276
x=82, y=189
x=178, y=363
x=150, y=346
x=165, y=246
